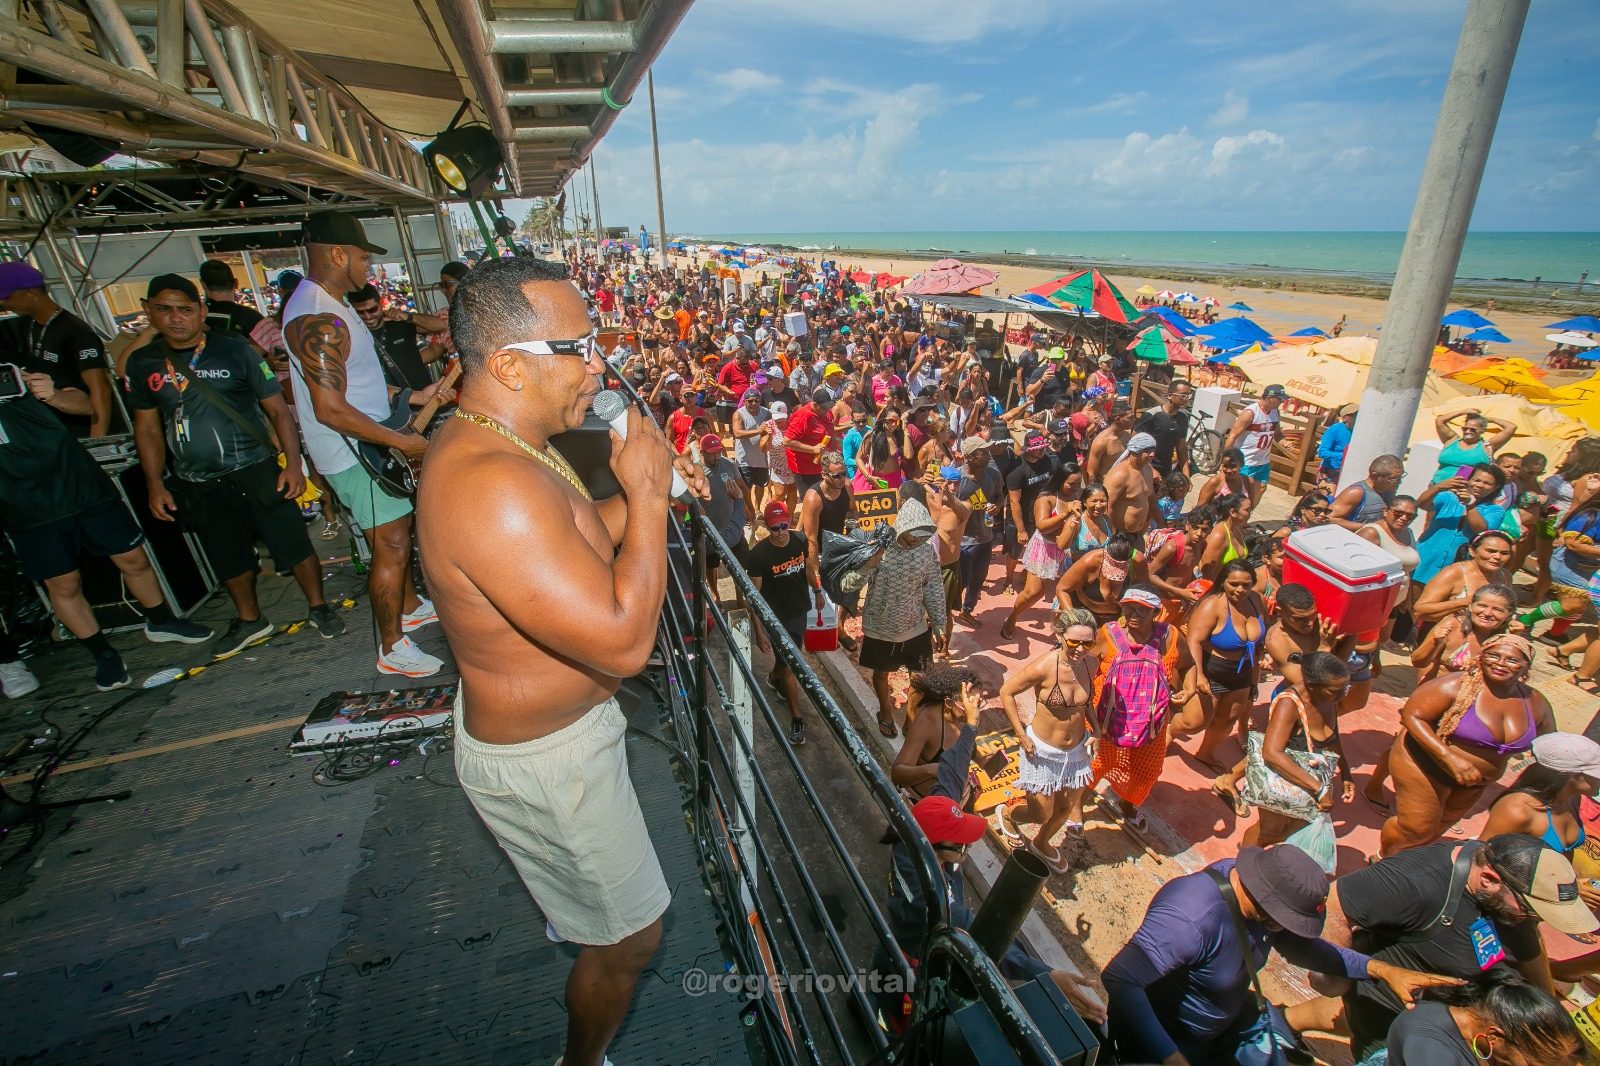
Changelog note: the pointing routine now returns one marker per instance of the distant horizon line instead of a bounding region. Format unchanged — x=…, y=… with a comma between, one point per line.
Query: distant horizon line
x=1470, y=232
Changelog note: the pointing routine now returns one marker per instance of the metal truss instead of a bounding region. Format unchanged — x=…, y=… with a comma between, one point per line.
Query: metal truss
x=196, y=81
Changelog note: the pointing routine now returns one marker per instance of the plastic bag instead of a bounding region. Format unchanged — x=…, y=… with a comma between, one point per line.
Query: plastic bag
x=844, y=560
x=1316, y=839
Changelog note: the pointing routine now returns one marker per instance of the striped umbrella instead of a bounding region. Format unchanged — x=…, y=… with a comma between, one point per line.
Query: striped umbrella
x=1087, y=290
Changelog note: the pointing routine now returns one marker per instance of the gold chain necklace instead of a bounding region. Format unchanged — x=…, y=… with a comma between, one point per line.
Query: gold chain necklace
x=553, y=459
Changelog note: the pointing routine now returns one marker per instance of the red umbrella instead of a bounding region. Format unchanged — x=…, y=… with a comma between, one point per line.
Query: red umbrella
x=948, y=277
x=861, y=277
x=889, y=281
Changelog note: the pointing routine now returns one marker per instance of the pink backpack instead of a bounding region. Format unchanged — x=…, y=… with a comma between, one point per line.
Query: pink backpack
x=1134, y=693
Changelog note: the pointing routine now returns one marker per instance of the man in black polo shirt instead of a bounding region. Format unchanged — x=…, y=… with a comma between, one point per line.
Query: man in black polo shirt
x=394, y=335
x=56, y=503
x=45, y=338
x=229, y=488
x=223, y=312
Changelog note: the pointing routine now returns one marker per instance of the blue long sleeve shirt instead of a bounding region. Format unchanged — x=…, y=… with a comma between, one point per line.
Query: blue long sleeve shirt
x=1180, y=982
x=1335, y=440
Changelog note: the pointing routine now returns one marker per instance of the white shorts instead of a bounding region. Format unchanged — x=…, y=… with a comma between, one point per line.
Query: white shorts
x=563, y=808
x=1050, y=769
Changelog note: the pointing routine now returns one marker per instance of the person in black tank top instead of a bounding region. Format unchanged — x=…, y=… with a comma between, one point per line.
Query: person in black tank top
x=819, y=512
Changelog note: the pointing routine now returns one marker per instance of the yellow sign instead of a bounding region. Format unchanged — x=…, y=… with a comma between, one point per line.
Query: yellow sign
x=876, y=508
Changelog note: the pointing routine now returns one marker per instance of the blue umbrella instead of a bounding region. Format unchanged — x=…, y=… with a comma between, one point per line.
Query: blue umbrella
x=1240, y=305
x=1583, y=324
x=1235, y=333
x=1490, y=334
x=1184, y=327
x=1035, y=298
x=1309, y=331
x=1465, y=319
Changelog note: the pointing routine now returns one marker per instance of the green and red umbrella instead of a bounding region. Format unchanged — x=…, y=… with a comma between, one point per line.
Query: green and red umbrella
x=1088, y=290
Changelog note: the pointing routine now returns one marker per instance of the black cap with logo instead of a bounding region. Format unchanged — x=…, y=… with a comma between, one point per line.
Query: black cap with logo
x=335, y=227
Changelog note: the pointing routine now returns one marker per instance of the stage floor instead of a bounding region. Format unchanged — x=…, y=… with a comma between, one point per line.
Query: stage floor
x=233, y=910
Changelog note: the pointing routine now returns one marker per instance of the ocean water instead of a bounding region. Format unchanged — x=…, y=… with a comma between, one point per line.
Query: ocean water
x=1553, y=257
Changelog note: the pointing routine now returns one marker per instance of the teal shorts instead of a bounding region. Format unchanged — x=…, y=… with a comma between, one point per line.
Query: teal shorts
x=1262, y=473
x=368, y=504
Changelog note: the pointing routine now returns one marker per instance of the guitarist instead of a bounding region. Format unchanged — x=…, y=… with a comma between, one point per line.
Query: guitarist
x=394, y=336
x=341, y=395
x=201, y=397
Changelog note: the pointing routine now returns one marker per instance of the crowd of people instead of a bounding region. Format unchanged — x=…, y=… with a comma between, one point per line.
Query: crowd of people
x=1029, y=472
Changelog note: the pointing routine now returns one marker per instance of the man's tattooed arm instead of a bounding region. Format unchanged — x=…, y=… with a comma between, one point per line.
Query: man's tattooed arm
x=320, y=345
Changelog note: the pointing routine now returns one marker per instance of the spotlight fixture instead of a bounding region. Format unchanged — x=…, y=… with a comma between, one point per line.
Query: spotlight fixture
x=466, y=158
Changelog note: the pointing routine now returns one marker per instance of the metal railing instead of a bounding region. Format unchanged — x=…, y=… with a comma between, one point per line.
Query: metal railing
x=793, y=898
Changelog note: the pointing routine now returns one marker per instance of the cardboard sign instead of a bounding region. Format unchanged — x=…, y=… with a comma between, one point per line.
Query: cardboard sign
x=876, y=508
x=995, y=763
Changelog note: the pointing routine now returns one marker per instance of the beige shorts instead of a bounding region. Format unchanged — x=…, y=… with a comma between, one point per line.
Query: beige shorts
x=564, y=810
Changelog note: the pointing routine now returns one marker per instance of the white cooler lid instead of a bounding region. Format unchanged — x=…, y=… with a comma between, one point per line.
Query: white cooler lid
x=1340, y=550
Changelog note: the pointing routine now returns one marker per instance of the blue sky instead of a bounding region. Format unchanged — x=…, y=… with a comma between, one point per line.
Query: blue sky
x=859, y=115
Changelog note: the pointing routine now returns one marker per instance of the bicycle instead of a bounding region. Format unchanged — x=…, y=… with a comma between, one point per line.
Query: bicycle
x=1205, y=445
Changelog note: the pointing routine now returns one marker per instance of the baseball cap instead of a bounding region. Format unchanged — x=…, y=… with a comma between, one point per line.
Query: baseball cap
x=774, y=513
x=1142, y=594
x=336, y=227
x=944, y=822
x=972, y=445
x=1104, y=359
x=1033, y=440
x=1274, y=392
x=1057, y=353
x=1079, y=421
x=163, y=282
x=287, y=279
x=1290, y=886
x=779, y=410
x=670, y=378
x=15, y=277
x=710, y=443
x=1544, y=878
x=1060, y=426
x=738, y=325
x=1568, y=753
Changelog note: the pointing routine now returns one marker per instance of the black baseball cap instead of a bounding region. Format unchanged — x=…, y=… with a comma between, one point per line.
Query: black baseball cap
x=162, y=282
x=336, y=227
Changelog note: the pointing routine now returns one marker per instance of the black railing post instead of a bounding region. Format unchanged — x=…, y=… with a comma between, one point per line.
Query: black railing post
x=702, y=684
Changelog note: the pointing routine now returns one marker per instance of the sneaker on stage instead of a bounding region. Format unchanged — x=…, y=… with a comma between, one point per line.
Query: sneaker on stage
x=176, y=629
x=109, y=671
x=17, y=681
x=240, y=635
x=326, y=620
x=424, y=615
x=409, y=660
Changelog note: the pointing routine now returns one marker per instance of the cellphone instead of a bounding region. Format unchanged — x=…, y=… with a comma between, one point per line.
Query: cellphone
x=1464, y=473
x=11, y=383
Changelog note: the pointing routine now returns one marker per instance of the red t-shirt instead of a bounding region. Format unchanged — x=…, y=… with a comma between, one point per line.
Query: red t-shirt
x=735, y=377
x=604, y=301
x=679, y=423
x=806, y=425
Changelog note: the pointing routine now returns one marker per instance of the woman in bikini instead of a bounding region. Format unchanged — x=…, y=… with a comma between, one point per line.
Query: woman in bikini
x=1225, y=635
x=1303, y=719
x=1095, y=582
x=936, y=715
x=1227, y=541
x=1054, y=766
x=1088, y=528
x=1459, y=731
x=1227, y=481
x=1451, y=589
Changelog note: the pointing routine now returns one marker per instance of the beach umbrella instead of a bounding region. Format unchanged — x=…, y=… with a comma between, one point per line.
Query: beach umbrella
x=1309, y=331
x=1489, y=334
x=1165, y=294
x=1234, y=332
x=1588, y=388
x=860, y=277
x=889, y=281
x=1465, y=319
x=1210, y=301
x=1155, y=345
x=1583, y=324
x=1088, y=290
x=1514, y=376
x=1240, y=305
x=1177, y=322
x=1187, y=297
x=1324, y=380
x=949, y=277
x=1146, y=291
x=1573, y=339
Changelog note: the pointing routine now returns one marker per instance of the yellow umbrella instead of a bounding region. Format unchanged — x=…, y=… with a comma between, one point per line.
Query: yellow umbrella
x=1505, y=377
x=1321, y=380
x=1144, y=290
x=1588, y=388
x=1586, y=411
x=1357, y=350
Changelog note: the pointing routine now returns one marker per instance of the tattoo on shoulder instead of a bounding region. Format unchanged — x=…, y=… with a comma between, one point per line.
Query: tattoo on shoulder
x=322, y=345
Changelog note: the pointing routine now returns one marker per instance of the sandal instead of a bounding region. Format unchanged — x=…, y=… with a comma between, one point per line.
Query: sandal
x=1060, y=864
x=888, y=728
x=1136, y=821
x=1588, y=684
x=1555, y=656
x=1231, y=797
x=1008, y=825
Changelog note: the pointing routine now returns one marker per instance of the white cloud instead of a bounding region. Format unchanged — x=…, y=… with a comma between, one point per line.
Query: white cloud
x=1235, y=108
x=747, y=80
x=1033, y=101
x=1120, y=104
x=908, y=20
x=1252, y=144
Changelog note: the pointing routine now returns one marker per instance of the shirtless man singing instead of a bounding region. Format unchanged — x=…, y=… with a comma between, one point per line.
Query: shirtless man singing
x=549, y=600
x=1131, y=486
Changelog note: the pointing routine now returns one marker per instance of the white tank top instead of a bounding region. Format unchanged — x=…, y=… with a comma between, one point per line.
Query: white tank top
x=1407, y=554
x=365, y=388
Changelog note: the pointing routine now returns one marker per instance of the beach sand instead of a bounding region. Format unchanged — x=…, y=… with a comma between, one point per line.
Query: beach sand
x=1279, y=311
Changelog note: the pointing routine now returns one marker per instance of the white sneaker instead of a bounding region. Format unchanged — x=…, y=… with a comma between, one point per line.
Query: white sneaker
x=16, y=680
x=424, y=615
x=408, y=659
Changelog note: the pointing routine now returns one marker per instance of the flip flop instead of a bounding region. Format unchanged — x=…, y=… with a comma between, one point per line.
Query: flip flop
x=1588, y=684
x=1060, y=864
x=1008, y=825
x=888, y=729
x=1241, y=809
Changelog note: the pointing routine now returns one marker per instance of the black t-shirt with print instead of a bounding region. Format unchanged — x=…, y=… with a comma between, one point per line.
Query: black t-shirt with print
x=782, y=573
x=225, y=315
x=400, y=355
x=63, y=348
x=45, y=474
x=1030, y=476
x=204, y=441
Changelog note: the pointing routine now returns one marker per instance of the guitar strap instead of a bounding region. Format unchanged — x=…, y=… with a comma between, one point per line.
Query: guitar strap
x=226, y=408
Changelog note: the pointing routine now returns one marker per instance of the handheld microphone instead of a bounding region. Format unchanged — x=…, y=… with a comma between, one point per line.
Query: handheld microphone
x=611, y=407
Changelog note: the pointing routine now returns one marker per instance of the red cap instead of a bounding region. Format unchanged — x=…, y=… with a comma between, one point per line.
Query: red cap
x=710, y=443
x=945, y=822
x=775, y=512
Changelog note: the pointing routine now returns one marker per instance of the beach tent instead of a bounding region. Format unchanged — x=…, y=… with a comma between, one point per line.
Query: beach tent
x=1146, y=291
x=1465, y=319
x=1324, y=380
x=1583, y=324
x=1240, y=305
x=1309, y=331
x=949, y=277
x=1487, y=334
x=1234, y=333
x=1087, y=290
x=1184, y=327
x=1573, y=339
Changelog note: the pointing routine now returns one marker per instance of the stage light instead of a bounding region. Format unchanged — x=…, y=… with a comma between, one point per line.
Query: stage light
x=464, y=156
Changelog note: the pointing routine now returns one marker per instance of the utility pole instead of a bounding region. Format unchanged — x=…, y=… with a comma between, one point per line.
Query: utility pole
x=594, y=196
x=655, y=150
x=1432, y=251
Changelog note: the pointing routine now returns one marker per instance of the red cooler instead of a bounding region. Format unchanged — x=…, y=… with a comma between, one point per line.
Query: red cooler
x=1356, y=583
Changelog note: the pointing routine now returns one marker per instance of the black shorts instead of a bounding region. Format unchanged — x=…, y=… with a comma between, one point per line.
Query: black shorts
x=1010, y=543
x=741, y=553
x=724, y=412
x=754, y=475
x=807, y=482
x=912, y=654
x=1225, y=677
x=230, y=512
x=50, y=550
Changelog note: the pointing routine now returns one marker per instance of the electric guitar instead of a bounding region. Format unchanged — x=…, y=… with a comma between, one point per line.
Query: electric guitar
x=396, y=472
